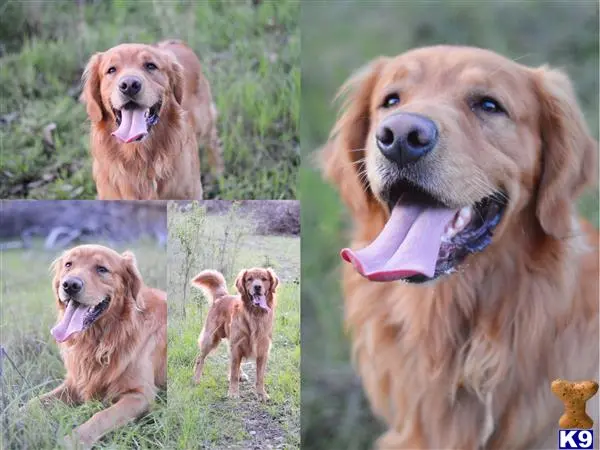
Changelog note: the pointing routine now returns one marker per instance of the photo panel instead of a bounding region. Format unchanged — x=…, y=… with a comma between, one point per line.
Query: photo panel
x=234, y=314
x=410, y=341
x=83, y=324
x=128, y=100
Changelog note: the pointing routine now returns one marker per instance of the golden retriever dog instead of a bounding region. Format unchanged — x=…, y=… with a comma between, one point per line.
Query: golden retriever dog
x=149, y=106
x=112, y=334
x=472, y=283
x=245, y=320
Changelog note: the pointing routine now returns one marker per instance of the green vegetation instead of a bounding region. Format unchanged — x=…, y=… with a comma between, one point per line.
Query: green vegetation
x=250, y=56
x=28, y=312
x=337, y=39
x=202, y=416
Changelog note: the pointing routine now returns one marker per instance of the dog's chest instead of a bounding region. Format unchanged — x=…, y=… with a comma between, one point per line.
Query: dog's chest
x=90, y=377
x=252, y=335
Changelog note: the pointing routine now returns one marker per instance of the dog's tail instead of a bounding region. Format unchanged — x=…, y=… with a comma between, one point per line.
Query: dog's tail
x=211, y=282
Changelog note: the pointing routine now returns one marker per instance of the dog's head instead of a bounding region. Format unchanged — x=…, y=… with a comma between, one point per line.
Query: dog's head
x=257, y=287
x=129, y=87
x=453, y=146
x=92, y=285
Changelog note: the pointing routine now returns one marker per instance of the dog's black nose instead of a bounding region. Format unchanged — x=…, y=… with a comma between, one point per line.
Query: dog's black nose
x=257, y=289
x=405, y=137
x=130, y=86
x=72, y=285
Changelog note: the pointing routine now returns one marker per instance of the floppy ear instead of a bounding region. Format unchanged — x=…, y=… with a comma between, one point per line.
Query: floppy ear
x=55, y=267
x=91, y=88
x=569, y=153
x=133, y=279
x=239, y=283
x=344, y=153
x=274, y=280
x=177, y=81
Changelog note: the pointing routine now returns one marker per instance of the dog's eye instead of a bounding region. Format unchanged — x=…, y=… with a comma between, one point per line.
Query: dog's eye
x=390, y=100
x=101, y=270
x=264, y=278
x=111, y=69
x=489, y=105
x=68, y=264
x=150, y=66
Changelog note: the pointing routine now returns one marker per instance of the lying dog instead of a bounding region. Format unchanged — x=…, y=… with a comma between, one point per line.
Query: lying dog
x=246, y=320
x=112, y=333
x=149, y=107
x=474, y=284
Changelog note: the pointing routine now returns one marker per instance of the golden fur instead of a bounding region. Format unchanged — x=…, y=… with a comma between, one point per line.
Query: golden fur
x=165, y=165
x=234, y=317
x=466, y=361
x=121, y=358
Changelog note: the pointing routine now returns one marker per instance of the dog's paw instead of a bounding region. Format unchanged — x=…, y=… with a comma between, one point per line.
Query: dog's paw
x=233, y=394
x=262, y=396
x=195, y=380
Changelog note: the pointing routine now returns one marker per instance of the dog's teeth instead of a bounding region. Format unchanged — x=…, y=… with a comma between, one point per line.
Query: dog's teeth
x=462, y=218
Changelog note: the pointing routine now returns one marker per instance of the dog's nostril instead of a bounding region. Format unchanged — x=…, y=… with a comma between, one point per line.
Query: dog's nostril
x=385, y=136
x=417, y=139
x=123, y=86
x=135, y=86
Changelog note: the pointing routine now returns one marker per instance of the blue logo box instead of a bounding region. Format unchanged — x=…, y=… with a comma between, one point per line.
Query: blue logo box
x=575, y=439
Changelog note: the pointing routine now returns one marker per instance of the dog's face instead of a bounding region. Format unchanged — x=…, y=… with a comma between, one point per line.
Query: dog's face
x=130, y=86
x=257, y=287
x=90, y=283
x=454, y=144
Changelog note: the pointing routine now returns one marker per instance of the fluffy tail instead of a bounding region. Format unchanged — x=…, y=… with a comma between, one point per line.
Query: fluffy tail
x=211, y=282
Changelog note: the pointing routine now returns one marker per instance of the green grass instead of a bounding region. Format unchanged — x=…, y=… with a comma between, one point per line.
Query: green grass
x=202, y=416
x=337, y=39
x=250, y=57
x=27, y=314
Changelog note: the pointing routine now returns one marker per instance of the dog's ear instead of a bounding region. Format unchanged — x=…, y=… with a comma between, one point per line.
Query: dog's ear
x=569, y=153
x=91, y=89
x=343, y=155
x=55, y=268
x=176, y=79
x=133, y=279
x=240, y=284
x=274, y=279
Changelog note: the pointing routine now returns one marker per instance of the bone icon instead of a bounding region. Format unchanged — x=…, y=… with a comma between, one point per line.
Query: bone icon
x=574, y=394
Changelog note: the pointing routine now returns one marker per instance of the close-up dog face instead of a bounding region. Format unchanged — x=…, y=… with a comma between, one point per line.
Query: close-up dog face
x=130, y=86
x=258, y=285
x=92, y=282
x=456, y=145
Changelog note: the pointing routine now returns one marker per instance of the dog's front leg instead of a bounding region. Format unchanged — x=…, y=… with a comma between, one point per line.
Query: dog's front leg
x=129, y=407
x=234, y=375
x=261, y=367
x=63, y=393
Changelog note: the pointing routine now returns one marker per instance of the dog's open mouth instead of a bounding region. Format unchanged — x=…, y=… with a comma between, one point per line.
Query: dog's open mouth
x=134, y=122
x=260, y=301
x=424, y=239
x=77, y=318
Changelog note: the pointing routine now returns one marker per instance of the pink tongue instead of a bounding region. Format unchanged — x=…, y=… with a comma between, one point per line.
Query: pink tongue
x=72, y=321
x=408, y=245
x=133, y=125
x=261, y=301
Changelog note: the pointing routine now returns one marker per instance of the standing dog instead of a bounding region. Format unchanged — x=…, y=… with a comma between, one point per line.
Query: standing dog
x=149, y=106
x=246, y=320
x=112, y=333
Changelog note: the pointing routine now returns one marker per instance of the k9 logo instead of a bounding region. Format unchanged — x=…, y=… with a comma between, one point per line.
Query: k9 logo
x=575, y=439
